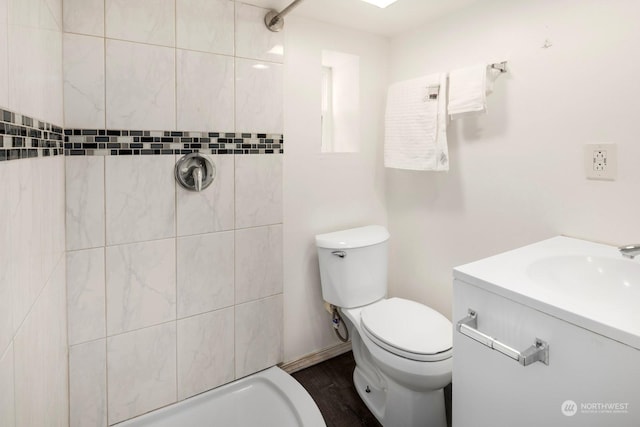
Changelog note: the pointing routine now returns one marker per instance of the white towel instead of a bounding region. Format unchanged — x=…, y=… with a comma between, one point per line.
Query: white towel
x=416, y=124
x=468, y=90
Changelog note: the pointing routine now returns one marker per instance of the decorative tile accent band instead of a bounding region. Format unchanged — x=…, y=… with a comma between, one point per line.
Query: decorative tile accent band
x=92, y=142
x=22, y=137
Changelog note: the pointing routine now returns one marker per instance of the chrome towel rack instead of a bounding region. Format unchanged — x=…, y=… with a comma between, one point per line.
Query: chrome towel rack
x=500, y=66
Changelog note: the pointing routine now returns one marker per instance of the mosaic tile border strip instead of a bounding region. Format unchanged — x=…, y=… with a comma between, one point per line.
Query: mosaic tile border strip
x=100, y=142
x=23, y=137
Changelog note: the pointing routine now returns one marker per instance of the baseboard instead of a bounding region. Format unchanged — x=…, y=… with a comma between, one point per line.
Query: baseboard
x=315, y=358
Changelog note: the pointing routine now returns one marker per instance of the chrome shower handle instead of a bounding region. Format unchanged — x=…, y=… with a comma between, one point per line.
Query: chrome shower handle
x=197, y=177
x=195, y=172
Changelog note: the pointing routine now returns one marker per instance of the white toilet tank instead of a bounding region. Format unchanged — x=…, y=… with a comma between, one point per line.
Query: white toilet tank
x=353, y=265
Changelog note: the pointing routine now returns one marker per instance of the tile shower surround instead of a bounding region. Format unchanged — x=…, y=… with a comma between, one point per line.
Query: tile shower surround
x=170, y=293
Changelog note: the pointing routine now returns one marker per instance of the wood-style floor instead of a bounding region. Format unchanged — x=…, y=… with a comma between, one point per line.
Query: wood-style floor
x=330, y=384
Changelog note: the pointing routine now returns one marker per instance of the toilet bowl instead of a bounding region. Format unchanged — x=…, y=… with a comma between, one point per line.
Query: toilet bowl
x=402, y=348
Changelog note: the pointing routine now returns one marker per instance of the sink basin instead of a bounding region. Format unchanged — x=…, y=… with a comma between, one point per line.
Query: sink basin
x=608, y=279
x=584, y=283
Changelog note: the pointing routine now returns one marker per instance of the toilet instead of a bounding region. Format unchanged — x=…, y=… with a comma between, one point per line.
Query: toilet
x=402, y=348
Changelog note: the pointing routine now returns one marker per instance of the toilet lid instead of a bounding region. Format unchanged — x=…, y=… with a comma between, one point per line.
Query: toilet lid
x=408, y=329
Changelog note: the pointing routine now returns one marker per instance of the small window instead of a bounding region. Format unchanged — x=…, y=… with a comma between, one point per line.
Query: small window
x=340, y=97
x=326, y=115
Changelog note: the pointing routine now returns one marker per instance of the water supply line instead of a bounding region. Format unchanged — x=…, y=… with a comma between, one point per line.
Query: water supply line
x=337, y=321
x=275, y=21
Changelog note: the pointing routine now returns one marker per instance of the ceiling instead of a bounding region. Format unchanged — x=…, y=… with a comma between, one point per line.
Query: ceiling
x=394, y=19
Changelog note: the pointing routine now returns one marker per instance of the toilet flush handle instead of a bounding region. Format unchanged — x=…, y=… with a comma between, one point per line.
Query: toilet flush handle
x=340, y=254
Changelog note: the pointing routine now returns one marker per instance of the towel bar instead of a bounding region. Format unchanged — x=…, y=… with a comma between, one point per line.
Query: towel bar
x=500, y=66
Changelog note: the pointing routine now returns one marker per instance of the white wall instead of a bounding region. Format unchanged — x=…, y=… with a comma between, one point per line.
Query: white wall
x=325, y=191
x=517, y=173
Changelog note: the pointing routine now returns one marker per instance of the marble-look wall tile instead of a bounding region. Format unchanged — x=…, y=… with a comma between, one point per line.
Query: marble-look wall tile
x=205, y=25
x=84, y=17
x=88, y=384
x=211, y=209
x=253, y=39
x=6, y=254
x=140, y=86
x=41, y=364
x=258, y=332
x=141, y=285
x=84, y=105
x=258, y=263
x=205, y=273
x=205, y=352
x=140, y=198
x=86, y=295
x=44, y=14
x=4, y=55
x=22, y=270
x=205, y=91
x=144, y=21
x=85, y=202
x=141, y=371
x=35, y=90
x=258, y=190
x=259, y=92
x=7, y=414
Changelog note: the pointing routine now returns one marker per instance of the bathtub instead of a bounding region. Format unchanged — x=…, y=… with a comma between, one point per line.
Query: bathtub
x=268, y=398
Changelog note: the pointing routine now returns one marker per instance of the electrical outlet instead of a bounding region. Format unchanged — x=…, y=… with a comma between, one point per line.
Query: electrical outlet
x=601, y=161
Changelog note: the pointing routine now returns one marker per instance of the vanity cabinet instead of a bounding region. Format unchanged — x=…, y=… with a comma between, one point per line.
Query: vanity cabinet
x=591, y=379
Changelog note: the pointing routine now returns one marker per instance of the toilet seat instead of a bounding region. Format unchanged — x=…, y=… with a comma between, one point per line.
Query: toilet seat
x=408, y=329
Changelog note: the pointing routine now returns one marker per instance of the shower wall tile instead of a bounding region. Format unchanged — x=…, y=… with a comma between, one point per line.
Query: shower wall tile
x=6, y=295
x=84, y=17
x=144, y=21
x=86, y=295
x=258, y=190
x=4, y=55
x=84, y=104
x=205, y=352
x=22, y=244
x=205, y=273
x=140, y=85
x=140, y=198
x=258, y=332
x=253, y=39
x=7, y=411
x=85, y=202
x=35, y=90
x=258, y=263
x=211, y=209
x=36, y=13
x=259, y=92
x=141, y=285
x=88, y=384
x=41, y=364
x=205, y=91
x=205, y=25
x=141, y=371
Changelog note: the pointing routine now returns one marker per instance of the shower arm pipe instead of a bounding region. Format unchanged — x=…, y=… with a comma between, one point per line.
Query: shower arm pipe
x=275, y=21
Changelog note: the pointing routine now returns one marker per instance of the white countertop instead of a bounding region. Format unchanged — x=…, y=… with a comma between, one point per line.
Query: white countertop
x=587, y=284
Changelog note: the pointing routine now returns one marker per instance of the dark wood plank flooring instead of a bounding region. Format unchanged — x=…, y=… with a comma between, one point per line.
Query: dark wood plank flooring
x=330, y=384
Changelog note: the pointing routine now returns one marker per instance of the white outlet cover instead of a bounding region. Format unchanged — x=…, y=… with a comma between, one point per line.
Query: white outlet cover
x=601, y=161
